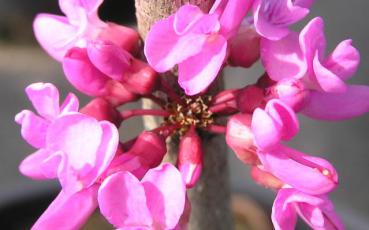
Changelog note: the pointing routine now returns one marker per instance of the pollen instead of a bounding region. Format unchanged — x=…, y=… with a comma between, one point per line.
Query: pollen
x=193, y=112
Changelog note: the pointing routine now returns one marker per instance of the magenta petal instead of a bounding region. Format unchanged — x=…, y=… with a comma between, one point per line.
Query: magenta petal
x=110, y=59
x=123, y=202
x=311, y=175
x=327, y=81
x=166, y=193
x=338, y=106
x=284, y=216
x=198, y=72
x=164, y=48
x=33, y=128
x=344, y=60
x=283, y=59
x=45, y=99
x=285, y=117
x=32, y=165
x=55, y=34
x=232, y=16
x=70, y=104
x=68, y=212
x=266, y=131
x=82, y=74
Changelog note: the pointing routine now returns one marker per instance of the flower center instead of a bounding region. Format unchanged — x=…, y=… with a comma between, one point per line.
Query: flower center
x=193, y=112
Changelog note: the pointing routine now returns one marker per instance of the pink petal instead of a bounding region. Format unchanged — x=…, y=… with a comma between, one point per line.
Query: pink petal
x=123, y=202
x=45, y=99
x=70, y=104
x=312, y=40
x=54, y=33
x=283, y=59
x=317, y=211
x=68, y=212
x=327, y=81
x=266, y=131
x=308, y=174
x=344, y=60
x=33, y=165
x=164, y=48
x=273, y=18
x=198, y=72
x=338, y=106
x=166, y=193
x=285, y=117
x=304, y=3
x=82, y=74
x=232, y=16
x=185, y=18
x=79, y=137
x=106, y=152
x=283, y=214
x=110, y=59
x=240, y=138
x=33, y=128
x=72, y=8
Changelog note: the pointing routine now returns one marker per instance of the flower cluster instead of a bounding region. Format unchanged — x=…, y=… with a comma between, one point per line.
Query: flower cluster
x=127, y=180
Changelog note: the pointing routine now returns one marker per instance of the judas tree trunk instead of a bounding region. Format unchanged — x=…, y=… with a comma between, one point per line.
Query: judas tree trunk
x=210, y=199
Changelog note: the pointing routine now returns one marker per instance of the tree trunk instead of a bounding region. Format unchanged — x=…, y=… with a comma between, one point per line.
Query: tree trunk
x=210, y=199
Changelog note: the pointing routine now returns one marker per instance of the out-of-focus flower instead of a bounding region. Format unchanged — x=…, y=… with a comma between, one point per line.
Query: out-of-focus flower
x=317, y=211
x=57, y=34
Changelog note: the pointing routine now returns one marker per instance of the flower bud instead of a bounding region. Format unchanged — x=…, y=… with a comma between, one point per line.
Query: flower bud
x=82, y=74
x=109, y=58
x=122, y=36
x=265, y=179
x=140, y=78
x=150, y=147
x=101, y=109
x=250, y=98
x=117, y=94
x=190, y=157
x=244, y=47
x=240, y=138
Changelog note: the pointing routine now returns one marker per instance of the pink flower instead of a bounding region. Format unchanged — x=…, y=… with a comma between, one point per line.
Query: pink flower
x=57, y=34
x=73, y=147
x=278, y=123
x=301, y=58
x=155, y=202
x=196, y=41
x=317, y=211
x=272, y=17
x=45, y=99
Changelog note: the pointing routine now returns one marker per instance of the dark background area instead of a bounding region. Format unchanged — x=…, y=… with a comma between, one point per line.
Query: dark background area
x=345, y=144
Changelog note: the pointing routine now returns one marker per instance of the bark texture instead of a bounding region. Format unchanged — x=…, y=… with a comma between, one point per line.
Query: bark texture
x=210, y=199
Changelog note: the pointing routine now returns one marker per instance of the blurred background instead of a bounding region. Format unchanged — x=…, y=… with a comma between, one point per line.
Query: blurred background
x=345, y=144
